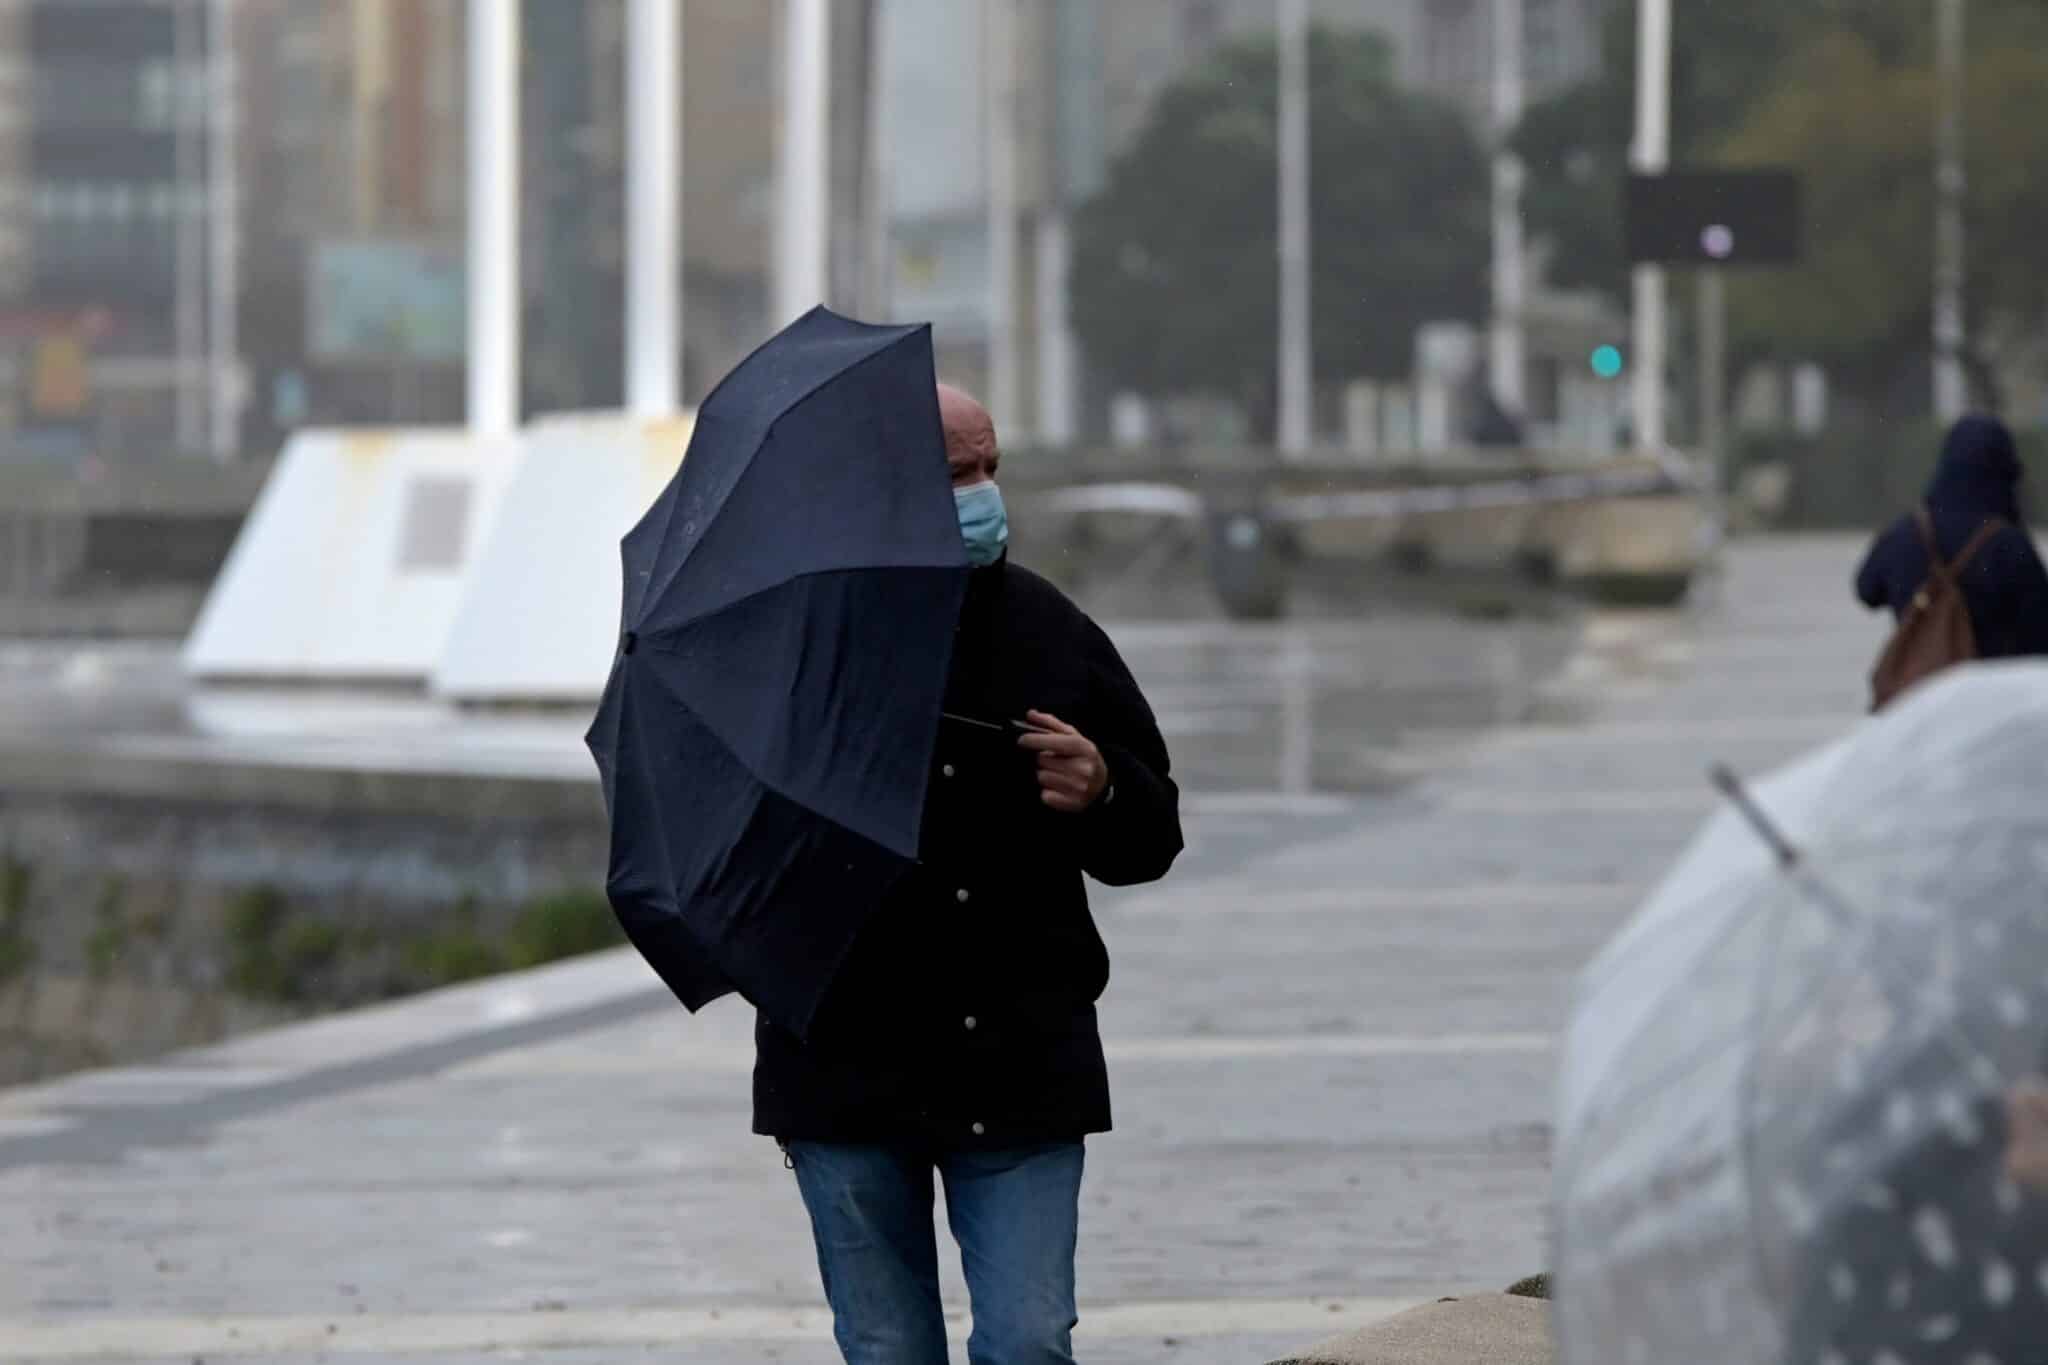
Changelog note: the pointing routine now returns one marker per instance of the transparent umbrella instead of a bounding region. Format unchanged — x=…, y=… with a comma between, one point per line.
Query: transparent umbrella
x=1802, y=1115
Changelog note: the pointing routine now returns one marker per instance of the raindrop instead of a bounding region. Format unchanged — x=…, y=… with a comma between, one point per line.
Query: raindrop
x=1796, y=1208
x=1842, y=1280
x=1898, y=1115
x=1901, y=1292
x=2041, y=1277
x=2008, y=1196
x=1999, y=1283
x=1886, y=1358
x=1942, y=1328
x=1937, y=1241
x=2012, y=1008
x=1956, y=1117
x=1879, y=1197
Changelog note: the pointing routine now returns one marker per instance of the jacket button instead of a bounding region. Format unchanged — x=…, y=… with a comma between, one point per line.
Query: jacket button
x=972, y=1023
x=961, y=895
x=946, y=771
x=980, y=1130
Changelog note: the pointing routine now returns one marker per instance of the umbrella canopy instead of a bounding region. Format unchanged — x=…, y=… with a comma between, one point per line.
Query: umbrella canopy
x=766, y=734
x=1796, y=1092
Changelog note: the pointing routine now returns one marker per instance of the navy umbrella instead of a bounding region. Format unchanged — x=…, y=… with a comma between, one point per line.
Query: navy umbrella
x=766, y=735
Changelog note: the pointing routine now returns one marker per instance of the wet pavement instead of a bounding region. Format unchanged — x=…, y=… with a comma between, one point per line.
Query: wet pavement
x=1331, y=1037
x=1355, y=690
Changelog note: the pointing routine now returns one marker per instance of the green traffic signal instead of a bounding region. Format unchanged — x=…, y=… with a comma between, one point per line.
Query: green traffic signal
x=1607, y=362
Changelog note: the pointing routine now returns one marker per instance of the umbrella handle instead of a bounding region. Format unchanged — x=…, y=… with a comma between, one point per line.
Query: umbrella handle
x=1731, y=786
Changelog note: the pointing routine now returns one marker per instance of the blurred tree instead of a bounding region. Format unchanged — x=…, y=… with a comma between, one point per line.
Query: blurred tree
x=1725, y=59
x=1858, y=125
x=1175, y=278
x=1842, y=91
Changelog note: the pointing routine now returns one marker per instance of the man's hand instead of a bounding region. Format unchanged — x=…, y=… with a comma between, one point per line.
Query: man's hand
x=1071, y=773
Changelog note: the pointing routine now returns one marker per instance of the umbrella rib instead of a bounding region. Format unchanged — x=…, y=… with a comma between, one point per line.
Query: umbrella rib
x=660, y=590
x=1665, y=1075
x=668, y=859
x=1748, y=1081
x=741, y=761
x=652, y=638
x=1837, y=911
x=1902, y=990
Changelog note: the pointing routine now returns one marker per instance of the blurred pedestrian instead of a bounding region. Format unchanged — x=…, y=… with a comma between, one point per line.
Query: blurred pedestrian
x=959, y=1040
x=1960, y=573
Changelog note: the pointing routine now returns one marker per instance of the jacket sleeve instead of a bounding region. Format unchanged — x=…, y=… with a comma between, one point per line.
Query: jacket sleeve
x=2029, y=598
x=1131, y=835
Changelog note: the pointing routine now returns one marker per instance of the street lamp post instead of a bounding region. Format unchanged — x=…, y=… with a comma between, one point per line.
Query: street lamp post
x=188, y=154
x=1296, y=355
x=999, y=57
x=223, y=232
x=493, y=216
x=654, y=228
x=1951, y=385
x=1505, y=363
x=803, y=160
x=1651, y=156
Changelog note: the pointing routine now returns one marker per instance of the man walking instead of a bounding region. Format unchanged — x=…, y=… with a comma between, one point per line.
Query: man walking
x=959, y=1045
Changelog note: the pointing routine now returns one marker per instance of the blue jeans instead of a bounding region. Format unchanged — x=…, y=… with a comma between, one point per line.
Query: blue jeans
x=1015, y=1215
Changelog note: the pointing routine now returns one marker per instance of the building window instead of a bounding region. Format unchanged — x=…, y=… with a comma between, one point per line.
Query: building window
x=169, y=96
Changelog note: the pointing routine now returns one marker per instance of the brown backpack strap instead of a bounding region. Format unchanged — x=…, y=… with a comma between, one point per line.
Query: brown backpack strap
x=1984, y=536
x=1937, y=567
x=1950, y=570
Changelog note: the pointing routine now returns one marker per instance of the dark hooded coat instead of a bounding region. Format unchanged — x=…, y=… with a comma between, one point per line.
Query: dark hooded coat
x=2004, y=585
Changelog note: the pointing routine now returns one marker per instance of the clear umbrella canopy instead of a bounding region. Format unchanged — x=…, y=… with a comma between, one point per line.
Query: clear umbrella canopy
x=1801, y=1111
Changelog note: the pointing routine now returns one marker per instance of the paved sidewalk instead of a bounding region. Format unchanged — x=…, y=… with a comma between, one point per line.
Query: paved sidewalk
x=1331, y=1037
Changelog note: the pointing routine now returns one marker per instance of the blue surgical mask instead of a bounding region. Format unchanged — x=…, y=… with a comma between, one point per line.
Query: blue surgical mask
x=984, y=525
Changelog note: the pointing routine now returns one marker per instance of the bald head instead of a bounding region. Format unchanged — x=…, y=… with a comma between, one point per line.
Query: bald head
x=971, y=451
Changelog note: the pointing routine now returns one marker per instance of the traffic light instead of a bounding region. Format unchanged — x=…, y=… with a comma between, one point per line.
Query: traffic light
x=1607, y=362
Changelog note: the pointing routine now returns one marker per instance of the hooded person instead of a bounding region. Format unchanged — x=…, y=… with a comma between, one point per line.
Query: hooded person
x=1975, y=485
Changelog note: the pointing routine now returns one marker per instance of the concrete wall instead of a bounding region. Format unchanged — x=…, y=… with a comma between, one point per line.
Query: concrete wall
x=135, y=885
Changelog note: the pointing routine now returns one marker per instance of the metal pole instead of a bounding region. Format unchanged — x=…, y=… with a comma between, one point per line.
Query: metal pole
x=1056, y=347
x=494, y=216
x=1714, y=392
x=1295, y=428
x=999, y=55
x=189, y=304
x=1506, y=365
x=878, y=274
x=654, y=228
x=1951, y=383
x=1651, y=156
x=804, y=160
x=224, y=233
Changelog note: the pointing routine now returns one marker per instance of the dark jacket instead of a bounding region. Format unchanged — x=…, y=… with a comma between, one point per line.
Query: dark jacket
x=965, y=1014
x=2004, y=585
